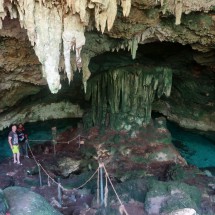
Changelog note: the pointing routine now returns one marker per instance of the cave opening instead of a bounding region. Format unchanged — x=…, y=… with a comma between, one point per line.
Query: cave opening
x=138, y=143
x=180, y=59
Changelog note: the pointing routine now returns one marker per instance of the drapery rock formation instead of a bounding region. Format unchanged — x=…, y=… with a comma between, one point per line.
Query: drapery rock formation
x=124, y=96
x=50, y=22
x=37, y=40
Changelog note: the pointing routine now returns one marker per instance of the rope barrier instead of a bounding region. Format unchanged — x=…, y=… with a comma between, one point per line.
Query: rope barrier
x=122, y=209
x=39, y=140
x=78, y=136
x=49, y=177
x=87, y=180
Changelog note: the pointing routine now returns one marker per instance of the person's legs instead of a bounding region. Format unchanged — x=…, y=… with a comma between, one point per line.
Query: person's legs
x=14, y=158
x=14, y=154
x=18, y=158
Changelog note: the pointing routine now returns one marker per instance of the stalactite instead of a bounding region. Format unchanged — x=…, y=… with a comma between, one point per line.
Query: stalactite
x=178, y=11
x=126, y=5
x=51, y=23
x=105, y=14
x=134, y=47
x=73, y=37
x=86, y=71
x=127, y=92
x=2, y=12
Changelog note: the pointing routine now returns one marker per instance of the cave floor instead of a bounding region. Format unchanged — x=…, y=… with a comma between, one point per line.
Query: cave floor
x=13, y=174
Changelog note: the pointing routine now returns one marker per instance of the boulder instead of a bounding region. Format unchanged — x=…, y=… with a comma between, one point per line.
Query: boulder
x=6, y=181
x=67, y=165
x=3, y=203
x=165, y=197
x=23, y=201
x=184, y=211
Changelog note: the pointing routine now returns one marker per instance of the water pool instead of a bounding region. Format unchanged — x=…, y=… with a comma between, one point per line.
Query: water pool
x=36, y=131
x=195, y=148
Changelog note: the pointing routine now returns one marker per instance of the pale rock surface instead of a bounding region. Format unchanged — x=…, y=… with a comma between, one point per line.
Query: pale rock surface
x=184, y=211
x=41, y=112
x=68, y=165
x=31, y=203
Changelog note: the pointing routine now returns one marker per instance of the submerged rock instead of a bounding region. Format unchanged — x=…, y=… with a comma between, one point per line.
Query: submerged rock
x=23, y=201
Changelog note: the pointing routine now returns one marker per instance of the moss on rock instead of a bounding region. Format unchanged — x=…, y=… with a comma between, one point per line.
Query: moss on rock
x=169, y=196
x=122, y=98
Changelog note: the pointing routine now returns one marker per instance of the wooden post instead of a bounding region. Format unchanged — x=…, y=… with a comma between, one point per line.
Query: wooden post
x=59, y=193
x=40, y=177
x=26, y=149
x=54, y=138
x=101, y=186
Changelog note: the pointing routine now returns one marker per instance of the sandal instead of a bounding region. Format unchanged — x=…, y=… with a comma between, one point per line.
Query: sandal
x=19, y=164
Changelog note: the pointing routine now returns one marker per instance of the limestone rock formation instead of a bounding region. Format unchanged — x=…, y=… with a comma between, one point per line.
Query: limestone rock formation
x=129, y=91
x=41, y=112
x=184, y=211
x=48, y=23
x=163, y=198
x=67, y=165
x=30, y=201
x=3, y=203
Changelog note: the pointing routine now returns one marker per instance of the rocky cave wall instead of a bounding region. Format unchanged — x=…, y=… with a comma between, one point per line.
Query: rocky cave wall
x=28, y=37
x=190, y=103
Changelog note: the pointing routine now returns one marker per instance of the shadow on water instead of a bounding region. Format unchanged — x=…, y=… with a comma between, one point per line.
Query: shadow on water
x=194, y=147
x=36, y=131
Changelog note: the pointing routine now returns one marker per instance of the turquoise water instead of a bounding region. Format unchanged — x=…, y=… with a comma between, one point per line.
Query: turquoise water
x=36, y=131
x=195, y=148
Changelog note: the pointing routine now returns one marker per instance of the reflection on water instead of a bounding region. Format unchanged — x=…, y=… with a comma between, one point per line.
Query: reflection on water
x=195, y=148
x=36, y=131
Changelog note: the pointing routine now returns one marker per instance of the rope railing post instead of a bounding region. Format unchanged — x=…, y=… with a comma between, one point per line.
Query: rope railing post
x=26, y=149
x=98, y=191
x=40, y=178
x=59, y=192
x=54, y=138
x=122, y=206
x=101, y=184
x=106, y=191
x=79, y=143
